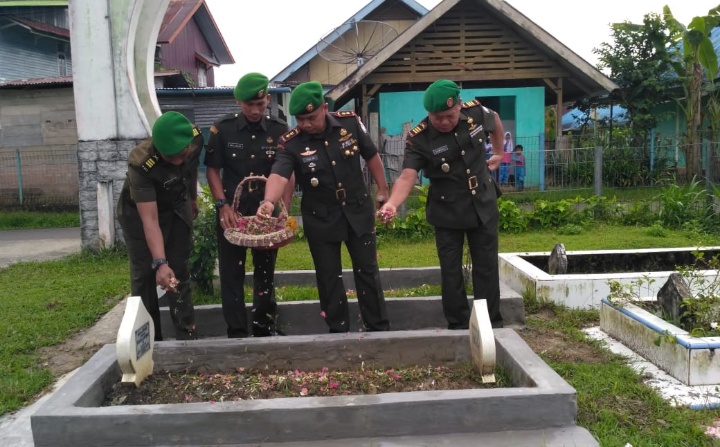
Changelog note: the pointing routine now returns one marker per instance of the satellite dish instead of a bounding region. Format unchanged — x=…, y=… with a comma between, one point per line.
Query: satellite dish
x=355, y=42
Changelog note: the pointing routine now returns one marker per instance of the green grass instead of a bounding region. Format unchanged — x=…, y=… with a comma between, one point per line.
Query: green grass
x=613, y=402
x=16, y=220
x=42, y=304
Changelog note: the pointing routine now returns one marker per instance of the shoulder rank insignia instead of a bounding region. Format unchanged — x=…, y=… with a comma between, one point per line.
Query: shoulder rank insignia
x=417, y=129
x=148, y=164
x=287, y=136
x=473, y=103
x=344, y=113
x=214, y=130
x=196, y=131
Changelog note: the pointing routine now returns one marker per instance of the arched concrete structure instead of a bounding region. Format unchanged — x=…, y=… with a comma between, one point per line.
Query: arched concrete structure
x=113, y=46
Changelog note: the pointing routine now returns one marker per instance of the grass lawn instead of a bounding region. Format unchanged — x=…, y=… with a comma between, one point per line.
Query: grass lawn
x=44, y=303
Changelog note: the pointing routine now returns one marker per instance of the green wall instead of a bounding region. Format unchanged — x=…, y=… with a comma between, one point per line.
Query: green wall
x=522, y=111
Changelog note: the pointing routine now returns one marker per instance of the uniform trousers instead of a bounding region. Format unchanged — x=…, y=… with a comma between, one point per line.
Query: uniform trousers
x=331, y=289
x=483, y=245
x=231, y=266
x=177, y=238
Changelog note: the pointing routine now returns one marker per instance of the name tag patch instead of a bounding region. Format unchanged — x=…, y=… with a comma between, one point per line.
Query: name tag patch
x=440, y=150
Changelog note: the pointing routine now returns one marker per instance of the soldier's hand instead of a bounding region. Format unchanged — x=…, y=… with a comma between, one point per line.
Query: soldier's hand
x=195, y=208
x=494, y=162
x=386, y=214
x=228, y=218
x=265, y=209
x=165, y=278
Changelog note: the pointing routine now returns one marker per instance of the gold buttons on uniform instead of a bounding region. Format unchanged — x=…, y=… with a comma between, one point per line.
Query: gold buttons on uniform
x=314, y=181
x=467, y=171
x=253, y=137
x=347, y=152
x=233, y=154
x=327, y=144
x=473, y=192
x=462, y=153
x=252, y=156
x=333, y=163
x=445, y=167
x=339, y=185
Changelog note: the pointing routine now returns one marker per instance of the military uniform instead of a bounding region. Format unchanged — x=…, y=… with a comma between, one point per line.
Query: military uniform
x=152, y=179
x=462, y=200
x=336, y=206
x=242, y=148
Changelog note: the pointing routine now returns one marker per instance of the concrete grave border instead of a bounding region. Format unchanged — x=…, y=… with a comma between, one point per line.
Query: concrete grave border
x=539, y=398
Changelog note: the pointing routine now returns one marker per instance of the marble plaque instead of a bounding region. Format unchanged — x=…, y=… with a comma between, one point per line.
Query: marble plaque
x=135, y=342
x=482, y=341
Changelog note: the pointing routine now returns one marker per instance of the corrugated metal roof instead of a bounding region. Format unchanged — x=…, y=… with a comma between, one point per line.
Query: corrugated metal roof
x=9, y=3
x=57, y=80
x=42, y=27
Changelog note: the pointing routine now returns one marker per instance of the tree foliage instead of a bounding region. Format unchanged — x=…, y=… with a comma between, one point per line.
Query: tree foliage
x=639, y=60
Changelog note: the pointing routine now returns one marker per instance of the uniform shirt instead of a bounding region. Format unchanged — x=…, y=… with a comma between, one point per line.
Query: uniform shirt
x=241, y=148
x=327, y=168
x=151, y=179
x=455, y=163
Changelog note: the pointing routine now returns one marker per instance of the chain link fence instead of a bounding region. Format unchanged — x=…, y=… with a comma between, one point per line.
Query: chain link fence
x=47, y=178
x=39, y=178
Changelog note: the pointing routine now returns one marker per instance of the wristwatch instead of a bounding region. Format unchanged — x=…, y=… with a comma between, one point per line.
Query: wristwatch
x=157, y=263
x=220, y=203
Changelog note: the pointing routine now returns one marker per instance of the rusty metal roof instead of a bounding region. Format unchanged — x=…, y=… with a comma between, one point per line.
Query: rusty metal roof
x=42, y=27
x=57, y=81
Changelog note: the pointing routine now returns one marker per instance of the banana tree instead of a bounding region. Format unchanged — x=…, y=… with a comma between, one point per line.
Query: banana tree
x=698, y=66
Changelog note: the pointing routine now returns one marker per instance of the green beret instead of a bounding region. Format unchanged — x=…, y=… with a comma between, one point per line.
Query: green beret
x=251, y=86
x=172, y=133
x=441, y=95
x=306, y=98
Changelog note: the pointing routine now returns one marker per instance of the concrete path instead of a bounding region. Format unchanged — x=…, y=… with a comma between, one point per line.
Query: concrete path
x=37, y=245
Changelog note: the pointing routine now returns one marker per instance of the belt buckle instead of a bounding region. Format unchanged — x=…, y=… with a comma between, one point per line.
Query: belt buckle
x=473, y=182
x=340, y=194
x=252, y=186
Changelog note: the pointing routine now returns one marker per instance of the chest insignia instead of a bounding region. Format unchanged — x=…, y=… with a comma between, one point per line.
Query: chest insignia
x=343, y=132
x=307, y=152
x=476, y=130
x=440, y=150
x=150, y=163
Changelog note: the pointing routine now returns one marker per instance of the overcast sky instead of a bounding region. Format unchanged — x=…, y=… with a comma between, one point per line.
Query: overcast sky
x=267, y=36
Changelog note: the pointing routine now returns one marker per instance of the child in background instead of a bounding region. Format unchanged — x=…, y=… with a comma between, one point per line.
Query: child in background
x=518, y=160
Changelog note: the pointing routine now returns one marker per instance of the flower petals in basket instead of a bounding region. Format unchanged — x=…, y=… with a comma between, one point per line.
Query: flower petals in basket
x=261, y=232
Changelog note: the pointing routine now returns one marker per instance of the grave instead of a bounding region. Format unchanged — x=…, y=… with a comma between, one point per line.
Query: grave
x=586, y=282
x=539, y=406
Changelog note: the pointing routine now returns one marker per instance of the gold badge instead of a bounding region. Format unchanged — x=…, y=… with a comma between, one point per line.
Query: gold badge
x=450, y=102
x=214, y=129
x=260, y=93
x=343, y=132
x=314, y=181
x=347, y=153
x=269, y=140
x=307, y=152
x=309, y=107
x=470, y=120
x=445, y=167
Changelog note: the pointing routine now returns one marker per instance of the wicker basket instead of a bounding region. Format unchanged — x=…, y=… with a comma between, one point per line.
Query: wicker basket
x=261, y=232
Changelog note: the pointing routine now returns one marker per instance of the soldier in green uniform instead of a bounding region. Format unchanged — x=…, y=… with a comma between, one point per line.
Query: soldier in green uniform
x=156, y=210
x=241, y=145
x=324, y=152
x=449, y=147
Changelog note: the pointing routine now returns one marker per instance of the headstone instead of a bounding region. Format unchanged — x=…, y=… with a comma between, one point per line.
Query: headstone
x=135, y=343
x=671, y=295
x=557, y=265
x=482, y=342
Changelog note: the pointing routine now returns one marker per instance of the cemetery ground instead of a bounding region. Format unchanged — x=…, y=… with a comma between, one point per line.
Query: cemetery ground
x=65, y=310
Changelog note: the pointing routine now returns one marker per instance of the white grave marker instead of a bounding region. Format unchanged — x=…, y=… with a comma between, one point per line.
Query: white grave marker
x=482, y=341
x=135, y=342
